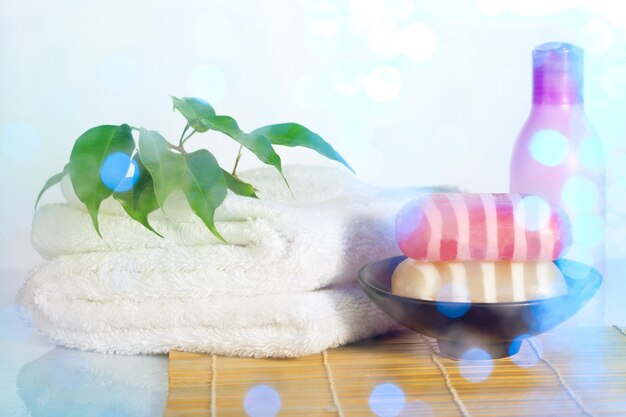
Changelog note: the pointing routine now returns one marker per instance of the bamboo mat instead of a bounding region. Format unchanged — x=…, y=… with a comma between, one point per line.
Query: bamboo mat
x=570, y=372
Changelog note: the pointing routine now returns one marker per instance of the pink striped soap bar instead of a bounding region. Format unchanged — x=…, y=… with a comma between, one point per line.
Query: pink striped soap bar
x=481, y=227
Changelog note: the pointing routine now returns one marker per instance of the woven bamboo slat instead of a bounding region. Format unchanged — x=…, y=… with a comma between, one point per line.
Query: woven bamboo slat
x=569, y=372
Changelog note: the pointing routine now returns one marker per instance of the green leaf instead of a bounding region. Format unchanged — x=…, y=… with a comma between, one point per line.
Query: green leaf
x=224, y=124
x=238, y=186
x=201, y=116
x=256, y=143
x=204, y=186
x=165, y=166
x=197, y=174
x=55, y=179
x=88, y=154
x=195, y=110
x=293, y=134
x=139, y=211
x=142, y=181
x=140, y=201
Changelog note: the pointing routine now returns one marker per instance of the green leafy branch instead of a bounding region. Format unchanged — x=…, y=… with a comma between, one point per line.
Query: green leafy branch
x=162, y=167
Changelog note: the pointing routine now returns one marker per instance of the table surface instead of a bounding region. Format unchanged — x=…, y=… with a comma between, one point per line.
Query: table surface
x=399, y=374
x=39, y=379
x=568, y=372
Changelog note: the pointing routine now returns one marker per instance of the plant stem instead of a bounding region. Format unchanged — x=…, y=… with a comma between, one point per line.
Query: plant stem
x=183, y=139
x=182, y=135
x=177, y=148
x=239, y=153
x=182, y=142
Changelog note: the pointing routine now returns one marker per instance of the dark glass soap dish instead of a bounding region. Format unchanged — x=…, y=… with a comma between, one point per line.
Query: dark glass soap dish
x=497, y=328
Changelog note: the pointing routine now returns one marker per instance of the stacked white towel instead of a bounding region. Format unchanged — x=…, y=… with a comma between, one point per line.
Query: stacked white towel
x=283, y=286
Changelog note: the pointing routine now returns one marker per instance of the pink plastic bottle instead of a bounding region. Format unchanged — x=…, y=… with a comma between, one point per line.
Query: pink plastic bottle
x=558, y=156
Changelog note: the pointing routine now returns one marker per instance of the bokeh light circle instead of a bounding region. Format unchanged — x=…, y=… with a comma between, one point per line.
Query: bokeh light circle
x=532, y=213
x=119, y=172
x=491, y=8
x=387, y=400
x=400, y=10
x=584, y=261
x=409, y=219
x=368, y=12
x=549, y=147
x=614, y=80
x=453, y=301
x=534, y=8
x=384, y=83
x=616, y=196
x=419, y=42
x=597, y=37
x=343, y=84
x=476, y=365
x=262, y=401
x=611, y=11
x=527, y=360
x=591, y=154
x=385, y=40
x=588, y=230
x=579, y=194
x=528, y=8
x=514, y=348
x=416, y=408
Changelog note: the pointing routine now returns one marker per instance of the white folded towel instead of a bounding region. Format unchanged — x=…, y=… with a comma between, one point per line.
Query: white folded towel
x=283, y=325
x=283, y=286
x=323, y=200
x=329, y=229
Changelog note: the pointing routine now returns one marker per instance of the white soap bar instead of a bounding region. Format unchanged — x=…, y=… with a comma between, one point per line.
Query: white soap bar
x=478, y=282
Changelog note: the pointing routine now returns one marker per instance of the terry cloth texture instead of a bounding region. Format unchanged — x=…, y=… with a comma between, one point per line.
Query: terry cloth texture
x=283, y=285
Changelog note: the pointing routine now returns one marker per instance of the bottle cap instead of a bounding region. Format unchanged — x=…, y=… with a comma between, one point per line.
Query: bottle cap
x=557, y=73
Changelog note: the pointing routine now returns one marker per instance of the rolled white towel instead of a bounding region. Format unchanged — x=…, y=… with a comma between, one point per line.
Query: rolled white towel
x=281, y=325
